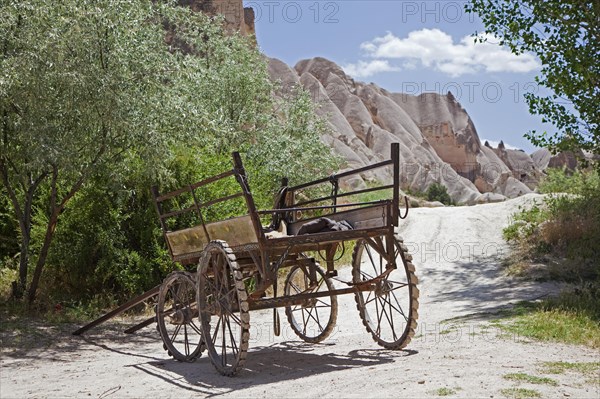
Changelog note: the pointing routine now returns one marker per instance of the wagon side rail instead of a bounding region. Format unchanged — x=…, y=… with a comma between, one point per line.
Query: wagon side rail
x=185, y=245
x=290, y=206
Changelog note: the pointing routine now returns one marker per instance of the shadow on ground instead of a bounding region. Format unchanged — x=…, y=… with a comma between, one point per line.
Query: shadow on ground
x=480, y=285
x=265, y=365
x=29, y=339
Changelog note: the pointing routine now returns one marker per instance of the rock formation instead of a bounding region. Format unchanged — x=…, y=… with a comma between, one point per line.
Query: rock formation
x=544, y=159
x=237, y=18
x=438, y=140
x=522, y=166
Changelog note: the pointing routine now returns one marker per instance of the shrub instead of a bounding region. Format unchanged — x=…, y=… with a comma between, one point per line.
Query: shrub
x=562, y=232
x=438, y=192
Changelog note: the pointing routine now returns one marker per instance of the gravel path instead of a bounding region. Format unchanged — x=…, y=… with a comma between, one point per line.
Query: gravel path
x=457, y=253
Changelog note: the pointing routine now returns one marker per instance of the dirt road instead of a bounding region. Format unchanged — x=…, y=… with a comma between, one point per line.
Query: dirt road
x=457, y=253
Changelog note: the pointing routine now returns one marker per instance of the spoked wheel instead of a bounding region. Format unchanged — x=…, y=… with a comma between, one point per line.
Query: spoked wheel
x=176, y=313
x=312, y=320
x=224, y=312
x=390, y=311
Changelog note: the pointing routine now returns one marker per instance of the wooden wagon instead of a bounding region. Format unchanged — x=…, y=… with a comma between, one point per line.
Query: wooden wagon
x=239, y=262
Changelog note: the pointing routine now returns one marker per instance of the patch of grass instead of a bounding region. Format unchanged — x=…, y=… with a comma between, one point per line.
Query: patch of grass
x=520, y=393
x=445, y=391
x=555, y=325
x=573, y=317
x=449, y=329
x=371, y=196
x=587, y=368
x=532, y=379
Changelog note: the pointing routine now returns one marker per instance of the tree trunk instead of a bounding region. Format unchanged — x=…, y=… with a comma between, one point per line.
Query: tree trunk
x=41, y=261
x=19, y=285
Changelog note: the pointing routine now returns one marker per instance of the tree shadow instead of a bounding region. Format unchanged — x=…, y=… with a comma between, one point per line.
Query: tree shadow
x=29, y=339
x=481, y=286
x=265, y=365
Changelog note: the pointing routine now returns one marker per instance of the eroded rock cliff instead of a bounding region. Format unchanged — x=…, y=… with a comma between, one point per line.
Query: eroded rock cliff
x=438, y=140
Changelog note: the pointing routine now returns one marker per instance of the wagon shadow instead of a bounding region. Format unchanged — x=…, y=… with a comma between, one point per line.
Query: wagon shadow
x=267, y=364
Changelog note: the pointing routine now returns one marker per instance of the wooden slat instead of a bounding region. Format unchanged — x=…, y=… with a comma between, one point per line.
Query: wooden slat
x=236, y=231
x=318, y=241
x=201, y=183
x=222, y=199
x=341, y=175
x=212, y=179
x=313, y=208
x=329, y=197
x=367, y=217
x=177, y=212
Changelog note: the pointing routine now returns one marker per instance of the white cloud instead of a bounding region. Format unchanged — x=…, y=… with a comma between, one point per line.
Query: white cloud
x=436, y=49
x=364, y=69
x=495, y=144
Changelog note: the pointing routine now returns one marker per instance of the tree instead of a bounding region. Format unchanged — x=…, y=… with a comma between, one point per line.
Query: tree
x=77, y=91
x=111, y=87
x=565, y=35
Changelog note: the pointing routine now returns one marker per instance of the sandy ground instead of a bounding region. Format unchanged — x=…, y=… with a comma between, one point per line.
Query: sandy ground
x=457, y=252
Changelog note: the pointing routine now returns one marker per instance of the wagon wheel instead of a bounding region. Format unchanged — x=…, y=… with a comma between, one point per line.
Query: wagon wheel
x=314, y=319
x=176, y=313
x=390, y=311
x=224, y=312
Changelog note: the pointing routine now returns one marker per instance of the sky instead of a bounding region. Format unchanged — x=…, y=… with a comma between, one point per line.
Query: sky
x=410, y=47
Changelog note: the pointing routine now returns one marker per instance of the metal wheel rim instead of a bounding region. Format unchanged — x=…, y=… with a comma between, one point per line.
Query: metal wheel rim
x=224, y=316
x=389, y=312
x=313, y=320
x=182, y=340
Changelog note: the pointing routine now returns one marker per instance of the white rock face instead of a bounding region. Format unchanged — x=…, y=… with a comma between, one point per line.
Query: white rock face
x=438, y=140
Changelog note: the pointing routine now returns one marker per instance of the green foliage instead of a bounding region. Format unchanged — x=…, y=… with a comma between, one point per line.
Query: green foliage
x=438, y=192
x=562, y=232
x=572, y=320
x=564, y=36
x=558, y=239
x=561, y=181
x=95, y=108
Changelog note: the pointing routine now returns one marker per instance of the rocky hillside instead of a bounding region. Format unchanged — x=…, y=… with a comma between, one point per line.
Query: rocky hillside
x=438, y=140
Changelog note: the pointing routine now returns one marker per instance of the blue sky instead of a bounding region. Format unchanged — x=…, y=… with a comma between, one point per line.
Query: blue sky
x=411, y=47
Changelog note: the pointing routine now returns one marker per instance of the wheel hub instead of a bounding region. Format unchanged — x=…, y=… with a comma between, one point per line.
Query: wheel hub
x=309, y=303
x=181, y=316
x=383, y=288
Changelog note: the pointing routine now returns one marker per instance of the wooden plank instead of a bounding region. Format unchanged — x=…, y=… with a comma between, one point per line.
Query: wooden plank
x=236, y=231
x=318, y=241
x=361, y=218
